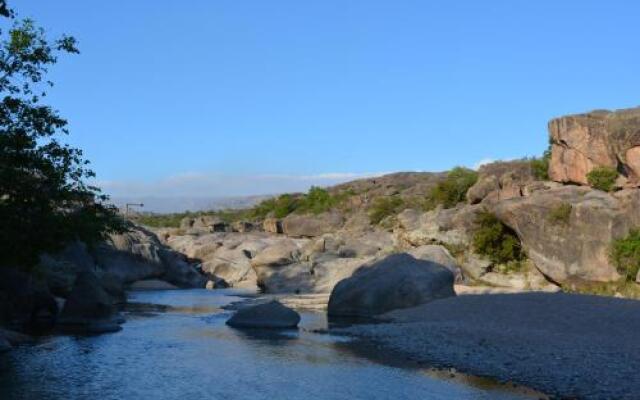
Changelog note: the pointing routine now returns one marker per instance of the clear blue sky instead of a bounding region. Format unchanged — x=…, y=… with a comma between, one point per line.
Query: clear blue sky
x=242, y=97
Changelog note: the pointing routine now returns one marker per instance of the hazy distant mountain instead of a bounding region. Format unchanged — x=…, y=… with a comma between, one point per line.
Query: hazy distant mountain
x=181, y=204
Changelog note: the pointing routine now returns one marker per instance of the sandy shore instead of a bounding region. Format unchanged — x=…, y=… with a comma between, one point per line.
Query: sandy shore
x=571, y=346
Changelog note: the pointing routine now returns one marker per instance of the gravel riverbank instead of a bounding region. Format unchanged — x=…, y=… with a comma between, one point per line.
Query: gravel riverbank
x=570, y=346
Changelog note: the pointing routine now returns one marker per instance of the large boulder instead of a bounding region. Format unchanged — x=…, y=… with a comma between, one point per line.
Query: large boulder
x=272, y=315
x=89, y=308
x=310, y=225
x=599, y=138
x=139, y=255
x=567, y=231
x=397, y=281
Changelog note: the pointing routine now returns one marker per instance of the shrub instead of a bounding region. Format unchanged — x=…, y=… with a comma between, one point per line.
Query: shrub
x=453, y=189
x=602, y=178
x=383, y=207
x=560, y=214
x=317, y=201
x=540, y=166
x=495, y=240
x=625, y=254
x=279, y=207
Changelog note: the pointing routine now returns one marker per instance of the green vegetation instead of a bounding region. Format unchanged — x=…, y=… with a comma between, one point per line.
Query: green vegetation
x=560, y=214
x=383, y=207
x=625, y=254
x=278, y=207
x=319, y=200
x=161, y=220
x=453, y=189
x=45, y=202
x=540, y=166
x=316, y=201
x=602, y=178
x=495, y=240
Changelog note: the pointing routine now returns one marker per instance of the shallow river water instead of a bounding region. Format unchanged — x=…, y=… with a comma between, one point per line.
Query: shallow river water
x=187, y=352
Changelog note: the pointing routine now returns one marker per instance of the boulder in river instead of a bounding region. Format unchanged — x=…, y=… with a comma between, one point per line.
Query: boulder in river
x=272, y=315
x=89, y=308
x=397, y=281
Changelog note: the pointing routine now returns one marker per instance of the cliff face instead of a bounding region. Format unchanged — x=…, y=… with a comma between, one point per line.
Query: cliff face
x=596, y=139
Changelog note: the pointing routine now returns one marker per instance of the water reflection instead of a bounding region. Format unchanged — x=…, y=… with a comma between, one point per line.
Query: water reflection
x=176, y=345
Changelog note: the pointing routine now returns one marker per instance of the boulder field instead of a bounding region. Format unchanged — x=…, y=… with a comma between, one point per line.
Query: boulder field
x=564, y=227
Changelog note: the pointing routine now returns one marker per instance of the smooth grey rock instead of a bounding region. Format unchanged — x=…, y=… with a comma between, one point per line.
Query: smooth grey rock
x=272, y=315
x=89, y=308
x=397, y=281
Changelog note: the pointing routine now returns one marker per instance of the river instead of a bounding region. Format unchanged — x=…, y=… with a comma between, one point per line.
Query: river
x=182, y=349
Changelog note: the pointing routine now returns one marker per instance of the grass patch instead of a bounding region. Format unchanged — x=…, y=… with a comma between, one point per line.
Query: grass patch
x=495, y=240
x=453, y=189
x=560, y=214
x=625, y=254
x=602, y=178
x=383, y=207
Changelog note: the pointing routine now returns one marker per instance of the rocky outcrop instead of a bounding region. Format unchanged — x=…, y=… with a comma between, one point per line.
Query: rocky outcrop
x=204, y=224
x=503, y=180
x=89, y=308
x=309, y=225
x=139, y=255
x=600, y=138
x=398, y=281
x=572, y=248
x=272, y=315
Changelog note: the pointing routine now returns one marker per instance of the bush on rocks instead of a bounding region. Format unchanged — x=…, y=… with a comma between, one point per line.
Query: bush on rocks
x=625, y=254
x=495, y=240
x=602, y=178
x=453, y=189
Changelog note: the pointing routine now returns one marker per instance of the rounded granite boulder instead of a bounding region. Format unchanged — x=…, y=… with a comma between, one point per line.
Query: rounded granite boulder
x=272, y=315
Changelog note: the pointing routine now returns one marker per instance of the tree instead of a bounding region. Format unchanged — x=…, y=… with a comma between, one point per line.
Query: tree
x=45, y=202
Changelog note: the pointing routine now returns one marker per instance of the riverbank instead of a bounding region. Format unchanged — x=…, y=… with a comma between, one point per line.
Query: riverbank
x=570, y=346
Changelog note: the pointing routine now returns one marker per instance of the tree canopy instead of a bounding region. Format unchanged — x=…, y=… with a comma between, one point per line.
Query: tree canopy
x=45, y=200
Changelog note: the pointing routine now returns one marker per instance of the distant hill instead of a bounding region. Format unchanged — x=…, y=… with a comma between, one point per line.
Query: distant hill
x=181, y=204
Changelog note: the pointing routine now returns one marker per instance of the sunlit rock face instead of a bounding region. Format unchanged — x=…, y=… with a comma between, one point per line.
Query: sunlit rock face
x=596, y=139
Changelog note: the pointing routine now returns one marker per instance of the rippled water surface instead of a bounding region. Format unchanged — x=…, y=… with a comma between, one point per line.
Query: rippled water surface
x=187, y=352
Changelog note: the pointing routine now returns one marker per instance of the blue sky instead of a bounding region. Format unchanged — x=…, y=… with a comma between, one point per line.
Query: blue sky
x=233, y=97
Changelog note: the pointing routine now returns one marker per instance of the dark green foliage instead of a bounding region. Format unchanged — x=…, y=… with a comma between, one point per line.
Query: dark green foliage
x=44, y=200
x=540, y=166
x=495, y=240
x=560, y=214
x=625, y=254
x=317, y=201
x=453, y=189
x=602, y=178
x=278, y=207
x=383, y=207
